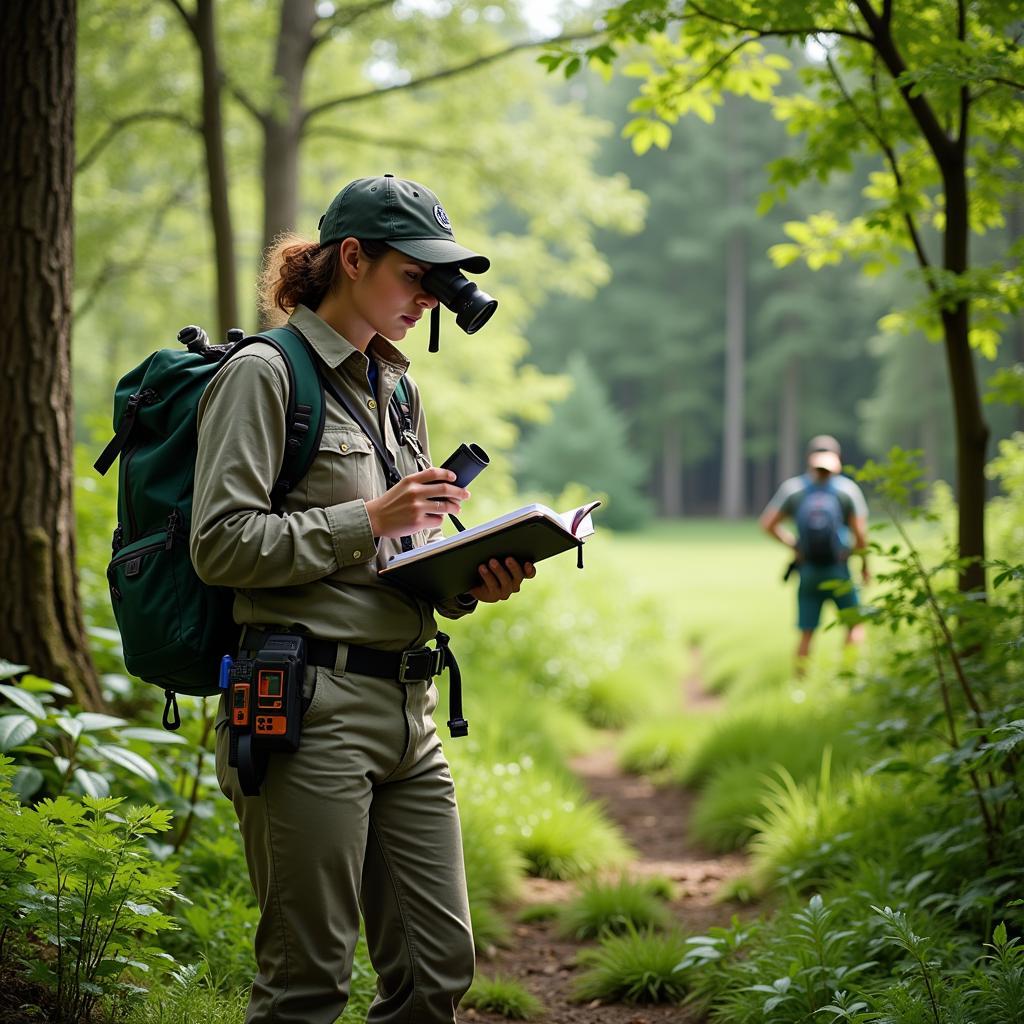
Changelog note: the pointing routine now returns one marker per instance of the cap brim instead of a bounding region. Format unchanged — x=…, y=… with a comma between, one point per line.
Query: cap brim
x=440, y=250
x=825, y=460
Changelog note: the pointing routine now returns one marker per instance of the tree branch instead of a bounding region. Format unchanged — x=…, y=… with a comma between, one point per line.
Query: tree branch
x=114, y=128
x=411, y=145
x=344, y=19
x=187, y=16
x=260, y=116
x=890, y=156
x=437, y=76
x=811, y=30
x=114, y=268
x=920, y=108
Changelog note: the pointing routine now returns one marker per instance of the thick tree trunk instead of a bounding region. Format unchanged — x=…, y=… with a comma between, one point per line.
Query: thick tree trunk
x=671, y=471
x=733, y=500
x=789, y=421
x=282, y=124
x=205, y=31
x=41, y=623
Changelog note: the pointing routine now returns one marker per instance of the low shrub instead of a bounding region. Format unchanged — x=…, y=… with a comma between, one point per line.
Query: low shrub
x=727, y=800
x=613, y=908
x=636, y=967
x=662, y=746
x=502, y=995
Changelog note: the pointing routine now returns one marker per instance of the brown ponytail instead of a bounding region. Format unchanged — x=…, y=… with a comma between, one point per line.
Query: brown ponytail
x=296, y=272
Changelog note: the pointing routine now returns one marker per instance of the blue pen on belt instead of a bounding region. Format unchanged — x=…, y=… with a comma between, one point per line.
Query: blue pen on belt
x=225, y=671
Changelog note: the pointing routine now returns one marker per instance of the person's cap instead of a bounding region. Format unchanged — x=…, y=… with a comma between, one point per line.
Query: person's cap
x=405, y=214
x=824, y=443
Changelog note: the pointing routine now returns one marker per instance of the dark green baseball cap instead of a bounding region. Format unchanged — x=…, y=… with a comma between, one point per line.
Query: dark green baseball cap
x=405, y=214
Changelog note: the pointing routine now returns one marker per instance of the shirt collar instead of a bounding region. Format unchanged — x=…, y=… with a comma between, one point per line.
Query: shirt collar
x=334, y=349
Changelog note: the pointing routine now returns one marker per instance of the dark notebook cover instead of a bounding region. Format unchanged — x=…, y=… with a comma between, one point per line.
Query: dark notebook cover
x=445, y=568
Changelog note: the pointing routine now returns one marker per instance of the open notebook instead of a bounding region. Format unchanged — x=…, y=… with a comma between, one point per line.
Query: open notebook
x=447, y=567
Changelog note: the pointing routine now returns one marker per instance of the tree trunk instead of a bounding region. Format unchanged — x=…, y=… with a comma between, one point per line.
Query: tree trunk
x=205, y=31
x=41, y=623
x=732, y=502
x=671, y=471
x=971, y=429
x=789, y=421
x=282, y=123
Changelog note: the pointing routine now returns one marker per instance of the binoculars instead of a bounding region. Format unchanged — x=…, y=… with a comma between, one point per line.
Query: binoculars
x=472, y=306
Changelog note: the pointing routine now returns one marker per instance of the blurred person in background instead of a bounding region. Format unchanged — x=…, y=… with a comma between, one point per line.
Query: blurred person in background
x=830, y=515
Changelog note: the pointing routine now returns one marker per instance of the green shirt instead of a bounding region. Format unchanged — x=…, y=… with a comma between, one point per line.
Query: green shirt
x=315, y=565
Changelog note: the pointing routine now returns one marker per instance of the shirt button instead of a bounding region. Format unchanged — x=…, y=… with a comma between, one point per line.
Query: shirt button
x=357, y=554
x=344, y=447
x=372, y=404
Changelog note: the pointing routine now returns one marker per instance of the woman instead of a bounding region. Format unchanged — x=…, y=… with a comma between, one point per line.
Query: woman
x=362, y=816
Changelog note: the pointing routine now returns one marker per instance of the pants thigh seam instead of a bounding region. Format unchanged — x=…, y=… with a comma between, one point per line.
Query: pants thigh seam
x=275, y=886
x=410, y=944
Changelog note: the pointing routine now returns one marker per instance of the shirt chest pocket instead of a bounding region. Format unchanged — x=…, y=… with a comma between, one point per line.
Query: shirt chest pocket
x=344, y=469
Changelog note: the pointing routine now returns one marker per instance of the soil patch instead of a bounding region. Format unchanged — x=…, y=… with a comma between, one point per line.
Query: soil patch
x=655, y=820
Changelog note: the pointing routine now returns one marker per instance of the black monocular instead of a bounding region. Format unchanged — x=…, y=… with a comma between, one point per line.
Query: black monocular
x=471, y=305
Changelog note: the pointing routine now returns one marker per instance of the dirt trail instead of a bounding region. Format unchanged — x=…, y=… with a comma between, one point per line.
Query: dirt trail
x=655, y=820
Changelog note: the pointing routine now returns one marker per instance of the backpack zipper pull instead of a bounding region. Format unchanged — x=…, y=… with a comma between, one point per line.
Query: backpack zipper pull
x=173, y=521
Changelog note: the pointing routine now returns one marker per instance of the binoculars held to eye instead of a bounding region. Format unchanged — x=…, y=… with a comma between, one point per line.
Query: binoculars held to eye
x=472, y=306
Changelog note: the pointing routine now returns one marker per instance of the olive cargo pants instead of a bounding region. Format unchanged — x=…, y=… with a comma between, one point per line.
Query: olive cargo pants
x=362, y=816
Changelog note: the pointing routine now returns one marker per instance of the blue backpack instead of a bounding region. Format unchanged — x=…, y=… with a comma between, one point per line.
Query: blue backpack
x=819, y=525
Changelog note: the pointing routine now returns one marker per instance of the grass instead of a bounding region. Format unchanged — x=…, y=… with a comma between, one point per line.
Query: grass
x=502, y=995
x=615, y=908
x=637, y=967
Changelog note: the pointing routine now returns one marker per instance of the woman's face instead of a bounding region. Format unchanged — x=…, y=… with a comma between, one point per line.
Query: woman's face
x=388, y=294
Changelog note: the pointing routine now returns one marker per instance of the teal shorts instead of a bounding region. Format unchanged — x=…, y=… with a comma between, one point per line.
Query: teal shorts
x=811, y=595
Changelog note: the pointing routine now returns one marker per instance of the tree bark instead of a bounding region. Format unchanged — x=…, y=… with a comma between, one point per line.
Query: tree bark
x=789, y=421
x=972, y=431
x=205, y=31
x=283, y=122
x=671, y=471
x=733, y=499
x=41, y=622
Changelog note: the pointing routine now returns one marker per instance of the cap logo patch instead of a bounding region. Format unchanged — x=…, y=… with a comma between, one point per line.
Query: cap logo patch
x=441, y=217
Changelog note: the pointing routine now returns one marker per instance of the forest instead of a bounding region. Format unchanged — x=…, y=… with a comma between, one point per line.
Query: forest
x=716, y=230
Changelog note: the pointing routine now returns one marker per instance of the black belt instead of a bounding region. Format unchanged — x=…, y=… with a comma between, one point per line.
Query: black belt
x=415, y=665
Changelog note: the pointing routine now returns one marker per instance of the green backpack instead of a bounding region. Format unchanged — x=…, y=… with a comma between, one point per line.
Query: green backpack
x=174, y=628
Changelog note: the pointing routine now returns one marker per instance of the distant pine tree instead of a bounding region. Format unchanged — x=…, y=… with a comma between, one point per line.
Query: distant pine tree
x=587, y=442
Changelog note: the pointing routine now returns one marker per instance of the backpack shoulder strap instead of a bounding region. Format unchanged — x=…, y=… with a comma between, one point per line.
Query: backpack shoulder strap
x=304, y=413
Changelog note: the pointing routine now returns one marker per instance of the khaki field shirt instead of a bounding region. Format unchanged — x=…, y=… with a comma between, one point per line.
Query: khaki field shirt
x=314, y=566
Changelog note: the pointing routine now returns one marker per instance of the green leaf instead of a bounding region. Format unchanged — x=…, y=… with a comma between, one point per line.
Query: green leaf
x=8, y=669
x=92, y=783
x=128, y=759
x=71, y=725
x=33, y=705
x=27, y=782
x=92, y=721
x=151, y=735
x=14, y=730
x=999, y=935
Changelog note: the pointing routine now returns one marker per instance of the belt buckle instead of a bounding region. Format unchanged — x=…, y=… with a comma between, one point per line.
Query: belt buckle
x=412, y=670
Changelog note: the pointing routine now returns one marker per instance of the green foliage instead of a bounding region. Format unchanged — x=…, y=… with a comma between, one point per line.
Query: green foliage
x=786, y=973
x=504, y=996
x=636, y=967
x=190, y=998
x=571, y=844
x=81, y=882
x=586, y=442
x=62, y=750
x=613, y=908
